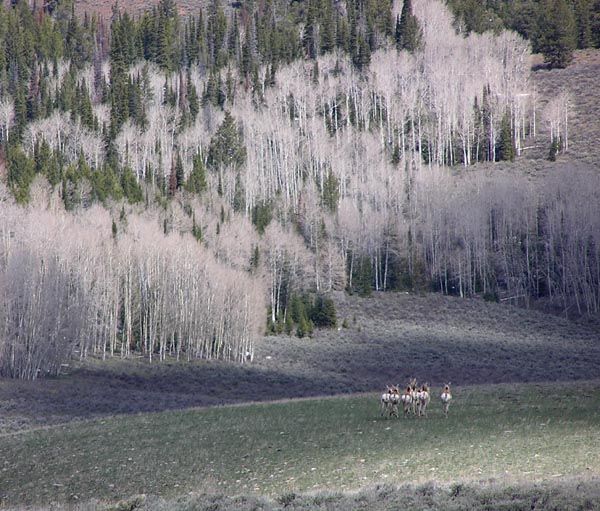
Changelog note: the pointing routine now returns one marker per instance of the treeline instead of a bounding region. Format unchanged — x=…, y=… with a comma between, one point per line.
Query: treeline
x=512, y=238
x=554, y=27
x=75, y=285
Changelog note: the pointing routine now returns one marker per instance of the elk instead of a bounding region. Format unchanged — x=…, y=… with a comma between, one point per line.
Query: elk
x=446, y=397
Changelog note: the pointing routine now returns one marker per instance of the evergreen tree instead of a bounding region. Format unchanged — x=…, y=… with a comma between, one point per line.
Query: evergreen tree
x=583, y=18
x=558, y=33
x=179, y=172
x=363, y=277
x=167, y=50
x=196, y=229
x=331, y=192
x=309, y=35
x=408, y=31
x=595, y=23
x=21, y=171
x=227, y=145
x=194, y=104
x=362, y=55
x=255, y=259
x=323, y=312
x=506, y=147
x=239, y=197
x=130, y=186
x=196, y=182
x=262, y=214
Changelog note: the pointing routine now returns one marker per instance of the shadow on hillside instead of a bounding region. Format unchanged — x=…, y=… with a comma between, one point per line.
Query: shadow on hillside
x=138, y=387
x=324, y=367
x=391, y=337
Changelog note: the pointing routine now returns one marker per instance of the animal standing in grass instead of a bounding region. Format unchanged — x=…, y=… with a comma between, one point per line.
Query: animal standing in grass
x=389, y=401
x=385, y=400
x=414, y=394
x=394, y=401
x=424, y=399
x=407, y=400
x=446, y=397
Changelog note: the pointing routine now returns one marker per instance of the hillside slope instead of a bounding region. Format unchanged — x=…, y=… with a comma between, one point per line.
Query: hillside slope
x=390, y=338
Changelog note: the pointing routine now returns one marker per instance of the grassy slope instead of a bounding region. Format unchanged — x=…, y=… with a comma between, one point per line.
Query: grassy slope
x=505, y=432
x=391, y=337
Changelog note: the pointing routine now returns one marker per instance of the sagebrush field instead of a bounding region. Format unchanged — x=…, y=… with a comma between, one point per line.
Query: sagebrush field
x=520, y=438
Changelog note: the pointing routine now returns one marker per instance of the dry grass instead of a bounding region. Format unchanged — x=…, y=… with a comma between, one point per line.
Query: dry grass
x=580, y=79
x=575, y=494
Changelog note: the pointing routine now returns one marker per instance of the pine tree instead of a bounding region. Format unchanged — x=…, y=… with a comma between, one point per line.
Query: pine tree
x=595, y=23
x=239, y=198
x=558, y=33
x=194, y=104
x=408, y=31
x=323, y=312
x=196, y=229
x=506, y=148
x=309, y=35
x=227, y=145
x=331, y=192
x=362, y=56
x=262, y=214
x=21, y=171
x=130, y=186
x=583, y=17
x=179, y=172
x=196, y=182
x=255, y=259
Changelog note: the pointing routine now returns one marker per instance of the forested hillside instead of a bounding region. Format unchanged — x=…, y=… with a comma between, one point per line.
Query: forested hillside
x=180, y=180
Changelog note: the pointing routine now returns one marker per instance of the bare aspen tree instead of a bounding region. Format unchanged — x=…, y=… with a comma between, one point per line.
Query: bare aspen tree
x=7, y=115
x=556, y=116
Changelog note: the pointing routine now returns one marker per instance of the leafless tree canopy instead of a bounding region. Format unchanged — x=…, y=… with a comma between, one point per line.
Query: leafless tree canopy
x=66, y=286
x=355, y=170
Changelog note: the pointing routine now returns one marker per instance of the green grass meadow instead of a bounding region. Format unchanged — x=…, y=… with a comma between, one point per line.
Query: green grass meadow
x=507, y=433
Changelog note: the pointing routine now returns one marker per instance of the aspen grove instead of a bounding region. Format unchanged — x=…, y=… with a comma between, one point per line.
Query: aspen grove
x=67, y=286
x=167, y=195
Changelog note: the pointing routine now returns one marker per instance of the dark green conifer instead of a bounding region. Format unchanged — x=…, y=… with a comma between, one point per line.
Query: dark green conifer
x=558, y=33
x=408, y=31
x=227, y=145
x=196, y=182
x=506, y=147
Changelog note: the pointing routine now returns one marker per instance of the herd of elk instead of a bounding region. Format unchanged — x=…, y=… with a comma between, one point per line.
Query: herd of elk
x=414, y=399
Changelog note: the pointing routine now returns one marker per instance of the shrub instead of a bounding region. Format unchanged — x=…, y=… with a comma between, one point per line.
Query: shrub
x=491, y=296
x=286, y=499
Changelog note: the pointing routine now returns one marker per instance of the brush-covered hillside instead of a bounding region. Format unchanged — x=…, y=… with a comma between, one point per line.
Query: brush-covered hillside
x=176, y=183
